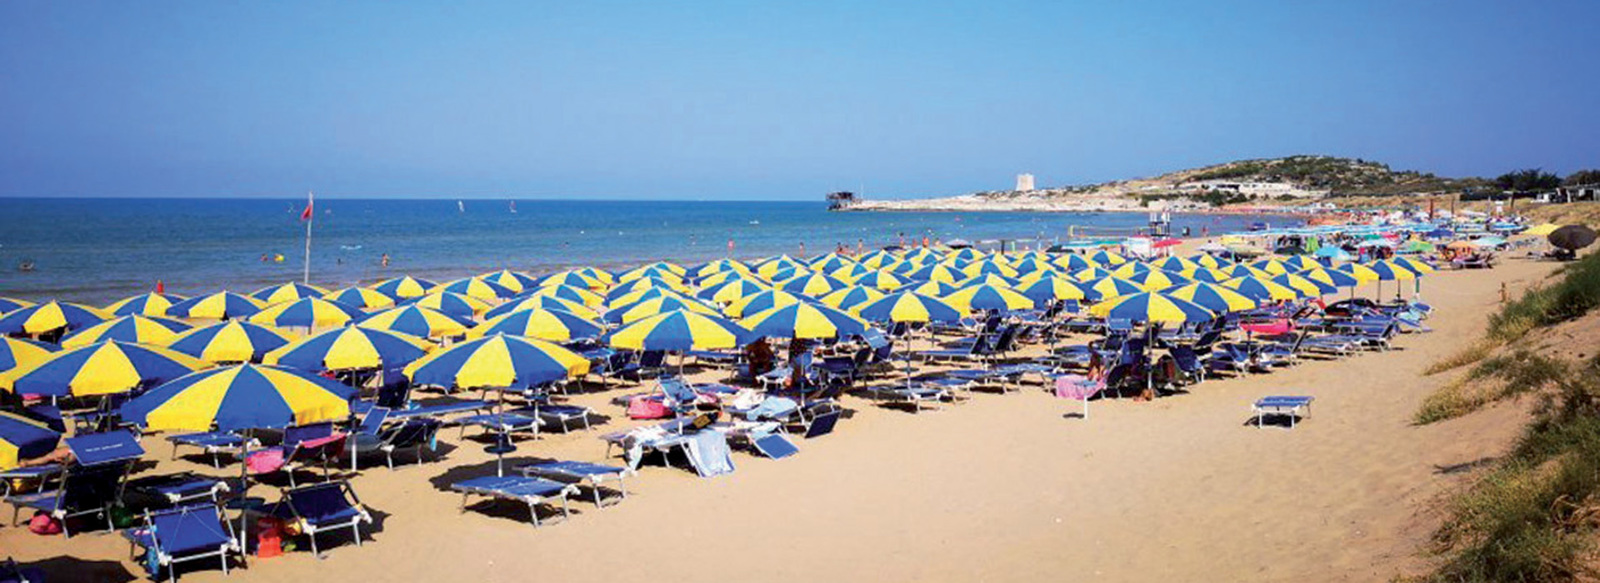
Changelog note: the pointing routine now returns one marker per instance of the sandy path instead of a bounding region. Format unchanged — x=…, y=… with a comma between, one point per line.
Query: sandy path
x=1002, y=488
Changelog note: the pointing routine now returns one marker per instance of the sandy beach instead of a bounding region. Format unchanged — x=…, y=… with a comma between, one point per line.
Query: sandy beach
x=1001, y=487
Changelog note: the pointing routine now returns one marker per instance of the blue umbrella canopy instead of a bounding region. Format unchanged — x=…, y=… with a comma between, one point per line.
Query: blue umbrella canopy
x=498, y=361
x=1152, y=307
x=48, y=317
x=350, y=348
x=98, y=369
x=22, y=438
x=680, y=330
x=15, y=352
x=247, y=396
x=232, y=341
x=804, y=320
x=908, y=307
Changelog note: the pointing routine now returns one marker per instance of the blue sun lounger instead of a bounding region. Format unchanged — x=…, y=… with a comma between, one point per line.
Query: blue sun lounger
x=528, y=490
x=1290, y=405
x=572, y=472
x=323, y=507
x=177, y=535
x=92, y=485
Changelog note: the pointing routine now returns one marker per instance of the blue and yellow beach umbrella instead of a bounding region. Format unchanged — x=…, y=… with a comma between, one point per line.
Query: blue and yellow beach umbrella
x=1300, y=263
x=581, y=295
x=1207, y=275
x=9, y=304
x=921, y=254
x=807, y=321
x=552, y=325
x=1307, y=287
x=15, y=352
x=1157, y=280
x=49, y=317
x=1208, y=260
x=628, y=287
x=644, y=309
x=132, y=328
x=723, y=277
x=988, y=297
x=475, y=288
x=1331, y=277
x=311, y=312
x=935, y=289
x=515, y=281
x=150, y=304
x=1107, y=258
x=829, y=262
x=229, y=342
x=652, y=272
x=637, y=296
x=966, y=254
x=1361, y=272
x=680, y=330
x=1174, y=264
x=760, y=301
x=1090, y=274
x=575, y=279
x=814, y=285
x=1051, y=288
x=882, y=280
x=1261, y=290
x=223, y=305
x=234, y=398
x=780, y=263
x=451, y=303
x=908, y=307
x=987, y=279
x=405, y=287
x=1034, y=265
x=1130, y=269
x=22, y=438
x=287, y=292
x=784, y=275
x=1109, y=287
x=497, y=362
x=350, y=348
x=360, y=297
x=98, y=369
x=1152, y=307
x=1212, y=297
x=851, y=297
x=878, y=259
x=417, y=321
x=1272, y=266
x=850, y=272
x=731, y=291
x=1241, y=270
x=1071, y=262
x=710, y=268
x=937, y=272
x=1392, y=271
x=594, y=273
x=1414, y=264
x=539, y=301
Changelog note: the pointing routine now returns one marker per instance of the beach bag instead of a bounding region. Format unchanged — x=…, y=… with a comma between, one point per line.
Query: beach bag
x=644, y=407
x=44, y=525
x=265, y=461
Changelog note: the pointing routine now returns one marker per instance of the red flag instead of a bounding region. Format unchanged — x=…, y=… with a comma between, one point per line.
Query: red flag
x=305, y=215
x=161, y=287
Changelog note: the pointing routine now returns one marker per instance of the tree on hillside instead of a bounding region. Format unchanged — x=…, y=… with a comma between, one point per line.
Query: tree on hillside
x=1583, y=177
x=1529, y=180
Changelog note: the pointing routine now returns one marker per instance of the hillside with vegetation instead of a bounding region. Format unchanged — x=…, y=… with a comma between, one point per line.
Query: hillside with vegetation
x=1337, y=176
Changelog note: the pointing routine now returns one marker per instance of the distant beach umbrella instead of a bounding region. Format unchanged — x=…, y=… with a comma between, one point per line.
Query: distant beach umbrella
x=723, y=277
x=1130, y=269
x=132, y=328
x=1090, y=274
x=229, y=342
x=566, y=292
x=1331, y=277
x=908, y=307
x=773, y=265
x=515, y=281
x=937, y=272
x=1216, y=298
x=405, y=287
x=1414, y=264
x=1306, y=286
x=829, y=262
x=476, y=288
x=360, y=297
x=718, y=266
x=760, y=301
x=1107, y=258
x=529, y=302
x=11, y=304
x=498, y=362
x=310, y=312
x=1109, y=287
x=1152, y=307
x=641, y=284
x=806, y=321
x=782, y=276
x=1174, y=264
x=624, y=314
x=1361, y=272
x=680, y=330
x=233, y=398
x=1207, y=275
x=98, y=369
x=1261, y=290
x=878, y=259
x=849, y=297
x=287, y=292
x=350, y=348
x=150, y=304
x=1392, y=271
x=850, y=272
x=731, y=291
x=595, y=273
x=881, y=280
x=965, y=252
x=1242, y=270
x=1157, y=280
x=1034, y=265
x=988, y=297
x=989, y=268
x=933, y=289
x=1572, y=237
x=50, y=317
x=654, y=270
x=986, y=279
x=544, y=324
x=1272, y=266
x=15, y=352
x=1071, y=262
x=637, y=296
x=814, y=285
x=1541, y=229
x=1208, y=260
x=417, y=321
x=218, y=306
x=1045, y=290
x=451, y=303
x=574, y=279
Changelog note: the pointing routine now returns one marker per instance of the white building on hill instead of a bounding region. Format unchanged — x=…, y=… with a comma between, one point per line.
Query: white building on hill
x=1024, y=182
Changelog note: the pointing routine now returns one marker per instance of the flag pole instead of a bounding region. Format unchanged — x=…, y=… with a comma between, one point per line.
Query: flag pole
x=311, y=216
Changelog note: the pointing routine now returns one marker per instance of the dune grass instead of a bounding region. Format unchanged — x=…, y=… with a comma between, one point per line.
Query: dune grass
x=1575, y=294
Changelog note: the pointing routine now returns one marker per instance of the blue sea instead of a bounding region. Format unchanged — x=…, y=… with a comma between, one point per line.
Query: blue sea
x=99, y=250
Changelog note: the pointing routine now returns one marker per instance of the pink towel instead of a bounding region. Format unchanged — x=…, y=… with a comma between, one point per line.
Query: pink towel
x=1077, y=387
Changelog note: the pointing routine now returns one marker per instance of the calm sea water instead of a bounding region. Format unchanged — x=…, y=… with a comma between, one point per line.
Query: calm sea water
x=98, y=250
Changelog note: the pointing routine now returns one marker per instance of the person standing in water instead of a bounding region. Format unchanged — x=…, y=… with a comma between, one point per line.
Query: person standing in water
x=385, y=260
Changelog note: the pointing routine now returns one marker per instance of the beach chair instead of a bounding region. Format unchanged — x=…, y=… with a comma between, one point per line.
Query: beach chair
x=1230, y=357
x=591, y=476
x=212, y=443
x=310, y=444
x=175, y=490
x=1294, y=406
x=1189, y=362
x=415, y=434
x=528, y=490
x=914, y=394
x=322, y=508
x=979, y=349
x=182, y=534
x=91, y=485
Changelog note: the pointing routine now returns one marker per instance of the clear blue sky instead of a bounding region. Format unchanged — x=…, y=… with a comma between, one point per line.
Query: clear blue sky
x=748, y=100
